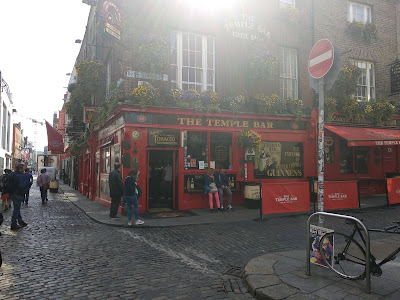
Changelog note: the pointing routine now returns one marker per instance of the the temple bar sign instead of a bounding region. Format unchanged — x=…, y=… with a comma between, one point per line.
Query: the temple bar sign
x=395, y=78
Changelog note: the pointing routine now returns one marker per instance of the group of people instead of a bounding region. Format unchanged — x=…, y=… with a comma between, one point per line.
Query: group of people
x=15, y=187
x=215, y=185
x=130, y=191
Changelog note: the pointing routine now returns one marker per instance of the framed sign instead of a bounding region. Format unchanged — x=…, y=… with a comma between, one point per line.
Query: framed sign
x=279, y=160
x=162, y=137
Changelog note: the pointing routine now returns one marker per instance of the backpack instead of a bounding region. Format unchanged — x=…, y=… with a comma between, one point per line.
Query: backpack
x=10, y=183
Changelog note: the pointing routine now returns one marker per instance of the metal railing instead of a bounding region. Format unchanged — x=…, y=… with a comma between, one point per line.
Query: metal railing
x=367, y=244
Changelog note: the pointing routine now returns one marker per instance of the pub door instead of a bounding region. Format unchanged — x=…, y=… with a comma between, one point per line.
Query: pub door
x=161, y=179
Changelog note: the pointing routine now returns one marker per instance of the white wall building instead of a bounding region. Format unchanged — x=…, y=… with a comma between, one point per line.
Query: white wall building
x=6, y=126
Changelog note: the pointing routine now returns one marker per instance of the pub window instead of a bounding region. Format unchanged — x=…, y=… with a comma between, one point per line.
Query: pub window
x=358, y=12
x=361, y=159
x=221, y=150
x=193, y=61
x=106, y=160
x=197, y=149
x=283, y=3
x=346, y=158
x=288, y=79
x=329, y=150
x=366, y=81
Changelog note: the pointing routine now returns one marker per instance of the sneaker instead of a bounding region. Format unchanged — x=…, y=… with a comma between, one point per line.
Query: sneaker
x=211, y=210
x=139, y=222
x=230, y=207
x=219, y=209
x=15, y=227
x=115, y=217
x=22, y=224
x=129, y=223
x=222, y=207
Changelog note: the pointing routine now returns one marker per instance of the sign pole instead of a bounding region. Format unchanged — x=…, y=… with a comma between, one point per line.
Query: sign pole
x=321, y=150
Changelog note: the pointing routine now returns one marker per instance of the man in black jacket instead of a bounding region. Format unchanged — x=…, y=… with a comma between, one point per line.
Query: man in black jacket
x=17, y=187
x=222, y=182
x=116, y=190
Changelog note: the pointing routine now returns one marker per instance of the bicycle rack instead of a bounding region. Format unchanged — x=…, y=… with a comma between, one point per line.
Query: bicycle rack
x=367, y=241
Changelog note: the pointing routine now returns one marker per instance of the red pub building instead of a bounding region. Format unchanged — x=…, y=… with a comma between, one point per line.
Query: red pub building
x=191, y=82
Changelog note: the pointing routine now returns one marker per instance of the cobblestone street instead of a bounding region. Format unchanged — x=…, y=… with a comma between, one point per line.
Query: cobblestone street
x=62, y=254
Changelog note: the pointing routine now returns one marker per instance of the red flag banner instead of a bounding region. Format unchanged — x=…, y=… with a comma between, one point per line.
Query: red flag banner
x=393, y=187
x=285, y=198
x=340, y=195
x=55, y=140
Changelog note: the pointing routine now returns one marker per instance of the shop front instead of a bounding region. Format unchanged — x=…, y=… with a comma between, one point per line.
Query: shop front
x=173, y=149
x=367, y=155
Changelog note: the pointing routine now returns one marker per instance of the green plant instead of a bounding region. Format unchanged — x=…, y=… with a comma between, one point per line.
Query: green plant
x=236, y=103
x=248, y=139
x=144, y=95
x=91, y=78
x=154, y=52
x=360, y=31
x=261, y=65
x=353, y=112
x=210, y=100
x=295, y=108
x=345, y=84
x=379, y=112
x=330, y=108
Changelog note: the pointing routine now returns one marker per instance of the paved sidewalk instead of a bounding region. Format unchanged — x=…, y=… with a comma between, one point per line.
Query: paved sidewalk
x=283, y=276
x=100, y=213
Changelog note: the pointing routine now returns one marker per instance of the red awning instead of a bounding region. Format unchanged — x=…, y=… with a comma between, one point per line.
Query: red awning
x=358, y=136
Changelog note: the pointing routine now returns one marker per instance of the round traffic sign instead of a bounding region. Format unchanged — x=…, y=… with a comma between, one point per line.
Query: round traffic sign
x=321, y=59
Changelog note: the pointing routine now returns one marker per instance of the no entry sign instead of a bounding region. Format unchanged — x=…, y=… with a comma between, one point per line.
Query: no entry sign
x=321, y=59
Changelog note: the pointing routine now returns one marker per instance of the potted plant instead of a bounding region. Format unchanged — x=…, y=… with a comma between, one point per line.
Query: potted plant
x=248, y=139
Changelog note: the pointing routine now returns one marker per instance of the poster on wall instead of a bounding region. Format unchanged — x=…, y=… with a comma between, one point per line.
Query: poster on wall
x=278, y=160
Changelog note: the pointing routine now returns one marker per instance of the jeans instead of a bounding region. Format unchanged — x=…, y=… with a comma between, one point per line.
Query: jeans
x=26, y=197
x=43, y=194
x=221, y=195
x=16, y=216
x=132, y=200
x=114, y=206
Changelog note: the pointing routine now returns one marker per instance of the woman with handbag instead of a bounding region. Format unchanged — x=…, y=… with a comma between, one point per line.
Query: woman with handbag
x=210, y=188
x=131, y=195
x=43, y=181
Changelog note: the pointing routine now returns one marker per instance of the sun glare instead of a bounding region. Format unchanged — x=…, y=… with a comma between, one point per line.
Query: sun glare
x=211, y=5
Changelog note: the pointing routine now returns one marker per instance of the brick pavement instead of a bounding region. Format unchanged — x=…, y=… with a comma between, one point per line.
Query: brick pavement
x=63, y=254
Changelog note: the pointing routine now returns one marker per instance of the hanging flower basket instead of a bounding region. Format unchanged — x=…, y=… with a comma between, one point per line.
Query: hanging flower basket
x=248, y=139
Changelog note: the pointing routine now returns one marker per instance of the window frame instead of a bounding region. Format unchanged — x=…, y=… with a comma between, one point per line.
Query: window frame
x=367, y=13
x=204, y=70
x=283, y=90
x=369, y=67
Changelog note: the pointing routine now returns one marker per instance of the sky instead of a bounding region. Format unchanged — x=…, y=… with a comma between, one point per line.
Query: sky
x=37, y=50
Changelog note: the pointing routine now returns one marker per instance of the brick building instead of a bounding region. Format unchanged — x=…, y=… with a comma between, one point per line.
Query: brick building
x=254, y=56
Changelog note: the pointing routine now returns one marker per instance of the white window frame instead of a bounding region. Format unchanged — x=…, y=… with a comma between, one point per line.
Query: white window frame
x=284, y=78
x=366, y=12
x=283, y=3
x=366, y=68
x=178, y=81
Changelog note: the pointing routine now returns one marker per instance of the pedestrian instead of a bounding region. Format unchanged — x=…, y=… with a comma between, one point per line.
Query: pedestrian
x=17, y=187
x=5, y=194
x=222, y=182
x=132, y=192
x=167, y=182
x=43, y=181
x=29, y=180
x=210, y=188
x=116, y=189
